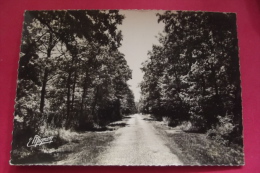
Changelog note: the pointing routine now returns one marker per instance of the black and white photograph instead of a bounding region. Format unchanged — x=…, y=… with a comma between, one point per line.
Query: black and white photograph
x=128, y=88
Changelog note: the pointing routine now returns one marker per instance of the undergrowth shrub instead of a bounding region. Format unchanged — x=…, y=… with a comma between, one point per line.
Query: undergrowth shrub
x=222, y=132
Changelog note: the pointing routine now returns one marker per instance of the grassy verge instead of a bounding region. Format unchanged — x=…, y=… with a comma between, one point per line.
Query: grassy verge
x=197, y=149
x=85, y=149
x=69, y=148
x=82, y=149
x=206, y=151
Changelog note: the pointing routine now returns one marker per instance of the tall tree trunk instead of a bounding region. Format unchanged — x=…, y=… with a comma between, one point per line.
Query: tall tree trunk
x=43, y=90
x=84, y=93
x=68, y=118
x=73, y=89
x=95, y=118
x=45, y=76
x=68, y=100
x=82, y=101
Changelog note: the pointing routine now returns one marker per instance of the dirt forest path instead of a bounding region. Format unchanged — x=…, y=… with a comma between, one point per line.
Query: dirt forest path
x=138, y=144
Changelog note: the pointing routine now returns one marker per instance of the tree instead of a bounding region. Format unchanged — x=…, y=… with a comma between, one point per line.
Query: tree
x=193, y=75
x=71, y=73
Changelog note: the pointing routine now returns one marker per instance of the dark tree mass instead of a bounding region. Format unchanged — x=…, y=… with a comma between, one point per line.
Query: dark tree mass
x=71, y=74
x=193, y=75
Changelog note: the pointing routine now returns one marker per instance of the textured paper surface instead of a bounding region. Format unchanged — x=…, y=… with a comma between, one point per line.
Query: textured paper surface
x=128, y=87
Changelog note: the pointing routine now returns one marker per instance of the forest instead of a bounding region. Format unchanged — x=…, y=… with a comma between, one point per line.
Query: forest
x=193, y=75
x=71, y=73
x=74, y=98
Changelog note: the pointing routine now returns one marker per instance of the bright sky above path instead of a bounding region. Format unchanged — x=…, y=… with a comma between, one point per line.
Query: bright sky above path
x=139, y=30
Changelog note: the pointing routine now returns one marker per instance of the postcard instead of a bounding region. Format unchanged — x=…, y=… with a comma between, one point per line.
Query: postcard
x=128, y=87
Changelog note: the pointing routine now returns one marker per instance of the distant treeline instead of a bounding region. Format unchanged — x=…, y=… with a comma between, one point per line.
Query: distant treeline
x=71, y=74
x=193, y=75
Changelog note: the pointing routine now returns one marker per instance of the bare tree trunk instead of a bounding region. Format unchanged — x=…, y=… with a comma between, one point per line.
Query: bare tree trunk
x=95, y=118
x=43, y=90
x=73, y=89
x=68, y=100
x=45, y=76
x=68, y=118
x=84, y=93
